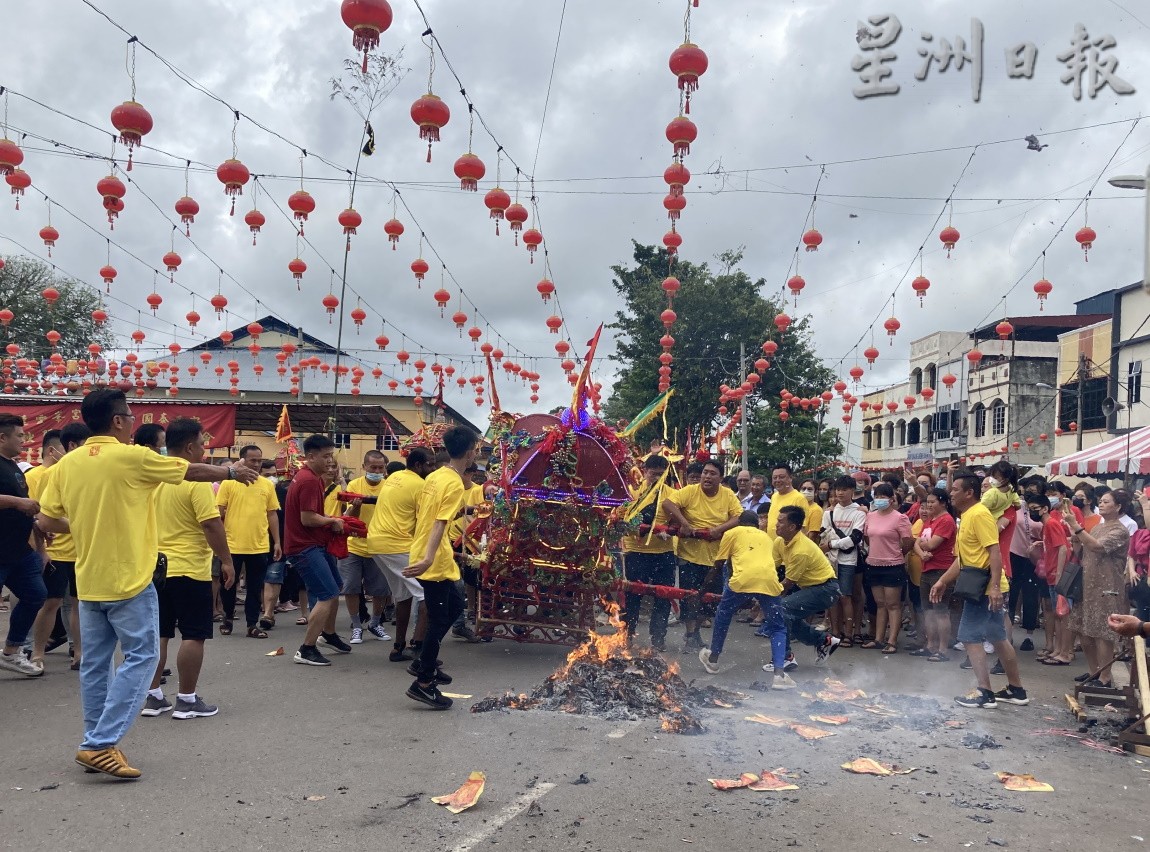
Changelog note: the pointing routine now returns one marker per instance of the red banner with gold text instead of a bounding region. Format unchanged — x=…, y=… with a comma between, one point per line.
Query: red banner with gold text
x=218, y=421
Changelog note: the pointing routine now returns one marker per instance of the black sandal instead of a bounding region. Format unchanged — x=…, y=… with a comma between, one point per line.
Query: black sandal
x=267, y=623
x=256, y=632
x=226, y=628
x=888, y=648
x=938, y=658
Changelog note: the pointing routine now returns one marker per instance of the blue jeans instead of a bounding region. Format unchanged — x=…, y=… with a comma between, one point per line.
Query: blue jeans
x=319, y=573
x=804, y=602
x=773, y=623
x=26, y=579
x=110, y=703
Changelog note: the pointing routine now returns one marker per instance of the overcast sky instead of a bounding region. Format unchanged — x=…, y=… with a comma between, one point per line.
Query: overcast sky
x=774, y=105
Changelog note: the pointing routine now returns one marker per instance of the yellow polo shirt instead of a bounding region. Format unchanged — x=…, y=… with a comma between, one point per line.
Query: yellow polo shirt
x=814, y=522
x=472, y=496
x=357, y=546
x=648, y=542
x=105, y=489
x=703, y=512
x=440, y=500
x=181, y=509
x=976, y=532
x=794, y=497
x=62, y=548
x=805, y=561
x=246, y=514
x=752, y=561
x=392, y=526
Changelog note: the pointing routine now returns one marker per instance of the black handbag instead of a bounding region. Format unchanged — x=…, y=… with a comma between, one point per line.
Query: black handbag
x=1070, y=583
x=971, y=585
x=160, y=574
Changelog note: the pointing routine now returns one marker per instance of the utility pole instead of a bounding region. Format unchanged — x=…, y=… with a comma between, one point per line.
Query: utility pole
x=1081, y=394
x=743, y=405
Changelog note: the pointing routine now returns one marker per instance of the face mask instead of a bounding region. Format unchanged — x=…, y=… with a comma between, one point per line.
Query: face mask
x=993, y=482
x=1036, y=517
x=942, y=484
x=373, y=478
x=1055, y=502
x=1079, y=502
x=881, y=503
x=810, y=495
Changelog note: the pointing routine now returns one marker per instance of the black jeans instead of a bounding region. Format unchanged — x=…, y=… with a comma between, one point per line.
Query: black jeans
x=1140, y=599
x=1024, y=586
x=691, y=576
x=256, y=565
x=656, y=569
x=444, y=602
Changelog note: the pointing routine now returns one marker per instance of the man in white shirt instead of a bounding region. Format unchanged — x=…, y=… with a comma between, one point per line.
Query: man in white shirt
x=842, y=536
x=758, y=495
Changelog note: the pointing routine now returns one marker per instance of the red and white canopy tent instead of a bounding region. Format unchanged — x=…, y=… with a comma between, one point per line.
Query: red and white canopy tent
x=1126, y=454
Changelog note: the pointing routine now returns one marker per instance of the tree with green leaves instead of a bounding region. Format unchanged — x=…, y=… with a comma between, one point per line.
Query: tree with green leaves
x=22, y=283
x=716, y=311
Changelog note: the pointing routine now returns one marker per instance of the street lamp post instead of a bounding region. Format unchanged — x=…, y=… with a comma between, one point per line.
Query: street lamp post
x=1141, y=183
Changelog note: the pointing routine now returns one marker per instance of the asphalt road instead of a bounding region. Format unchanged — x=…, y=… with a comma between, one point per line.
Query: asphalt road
x=242, y=779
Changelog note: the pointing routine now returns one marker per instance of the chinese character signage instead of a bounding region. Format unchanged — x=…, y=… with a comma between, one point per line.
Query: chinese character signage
x=1086, y=60
x=218, y=421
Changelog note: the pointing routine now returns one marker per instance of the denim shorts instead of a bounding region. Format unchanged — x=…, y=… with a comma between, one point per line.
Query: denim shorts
x=846, y=578
x=275, y=572
x=318, y=572
x=980, y=623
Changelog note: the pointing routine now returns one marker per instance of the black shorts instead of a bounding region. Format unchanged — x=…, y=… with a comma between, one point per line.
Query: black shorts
x=60, y=580
x=187, y=603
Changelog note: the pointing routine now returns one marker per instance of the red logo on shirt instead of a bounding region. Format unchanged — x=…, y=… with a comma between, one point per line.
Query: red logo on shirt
x=94, y=451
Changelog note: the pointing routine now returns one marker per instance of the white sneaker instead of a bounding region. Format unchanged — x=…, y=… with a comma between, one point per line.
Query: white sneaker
x=21, y=665
x=356, y=636
x=784, y=681
x=705, y=659
x=958, y=646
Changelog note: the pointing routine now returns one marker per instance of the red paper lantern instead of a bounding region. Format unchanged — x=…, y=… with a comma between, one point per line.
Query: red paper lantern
x=358, y=315
x=419, y=267
x=784, y=416
x=1086, y=237
x=681, y=132
x=138, y=337
x=330, y=303
x=233, y=175
x=782, y=323
x=442, y=297
x=255, y=220
x=219, y=302
x=674, y=205
x=892, y=326
x=812, y=239
x=297, y=268
x=668, y=318
x=225, y=336
x=688, y=63
x=1004, y=329
x=51, y=296
x=431, y=114
x=672, y=240
x=49, y=235
x=1058, y=432
x=460, y=320
x=920, y=285
x=671, y=287
x=350, y=220
x=677, y=176
x=99, y=316
x=108, y=273
x=973, y=356
x=186, y=209
x=366, y=19
x=497, y=201
x=563, y=347
x=154, y=301
x=516, y=216
x=172, y=262
x=474, y=333
x=1029, y=442
x=255, y=330
x=856, y=373
x=1043, y=437
x=53, y=337
x=19, y=180
x=393, y=228
x=111, y=189
x=10, y=156
x=796, y=283
x=1042, y=289
x=871, y=354
x=381, y=341
x=132, y=122
x=770, y=348
x=193, y=318
x=892, y=406
x=301, y=204
x=949, y=236
x=545, y=288
x=532, y=239
x=470, y=170
x=554, y=324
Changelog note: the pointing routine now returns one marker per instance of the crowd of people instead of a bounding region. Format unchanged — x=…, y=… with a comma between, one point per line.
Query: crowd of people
x=957, y=562
x=129, y=532
x=122, y=535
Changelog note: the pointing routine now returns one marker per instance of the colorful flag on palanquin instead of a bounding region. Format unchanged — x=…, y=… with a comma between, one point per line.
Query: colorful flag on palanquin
x=283, y=427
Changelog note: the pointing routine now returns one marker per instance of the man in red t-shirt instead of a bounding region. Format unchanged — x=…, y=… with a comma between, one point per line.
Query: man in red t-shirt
x=1056, y=550
x=307, y=532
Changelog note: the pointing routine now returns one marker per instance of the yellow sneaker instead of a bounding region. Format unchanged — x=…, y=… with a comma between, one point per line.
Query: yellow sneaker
x=110, y=761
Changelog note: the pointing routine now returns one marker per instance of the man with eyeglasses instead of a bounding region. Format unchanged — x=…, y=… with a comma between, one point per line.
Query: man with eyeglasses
x=103, y=495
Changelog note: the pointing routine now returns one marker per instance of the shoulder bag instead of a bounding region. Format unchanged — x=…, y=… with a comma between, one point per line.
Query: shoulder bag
x=971, y=585
x=1069, y=584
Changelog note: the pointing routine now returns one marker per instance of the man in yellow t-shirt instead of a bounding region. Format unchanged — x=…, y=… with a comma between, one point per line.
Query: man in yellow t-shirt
x=103, y=495
x=433, y=562
x=472, y=497
x=708, y=506
x=389, y=537
x=782, y=481
x=753, y=576
x=983, y=620
x=190, y=532
x=810, y=583
x=249, y=515
x=359, y=572
x=649, y=557
x=60, y=577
